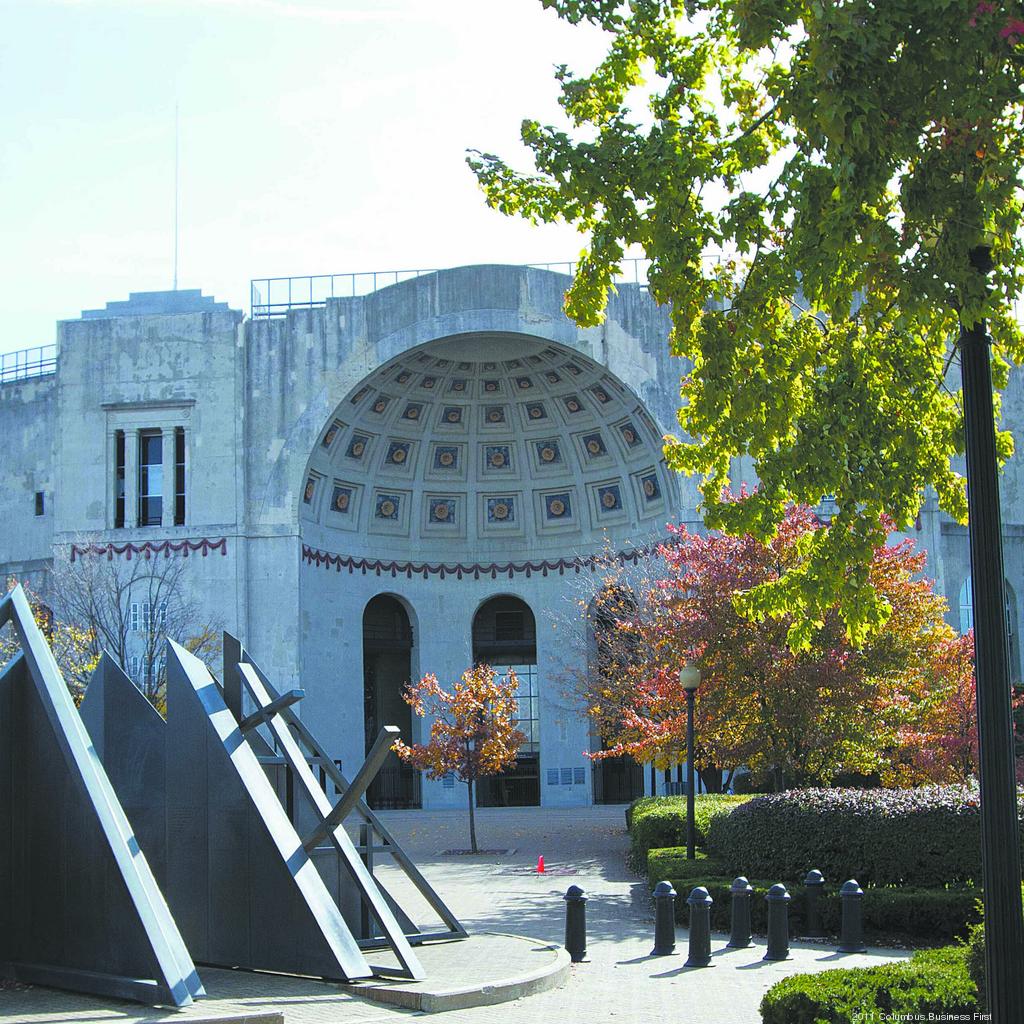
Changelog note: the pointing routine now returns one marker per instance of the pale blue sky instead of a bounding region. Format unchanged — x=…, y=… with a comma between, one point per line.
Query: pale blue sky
x=316, y=137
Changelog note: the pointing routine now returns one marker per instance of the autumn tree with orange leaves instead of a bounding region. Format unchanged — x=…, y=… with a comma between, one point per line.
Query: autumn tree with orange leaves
x=472, y=731
x=802, y=716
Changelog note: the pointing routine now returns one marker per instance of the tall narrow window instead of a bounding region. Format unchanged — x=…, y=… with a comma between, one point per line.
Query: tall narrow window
x=151, y=478
x=179, y=476
x=119, y=479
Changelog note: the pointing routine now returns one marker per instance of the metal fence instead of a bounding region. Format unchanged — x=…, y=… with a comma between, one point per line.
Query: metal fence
x=275, y=296
x=28, y=362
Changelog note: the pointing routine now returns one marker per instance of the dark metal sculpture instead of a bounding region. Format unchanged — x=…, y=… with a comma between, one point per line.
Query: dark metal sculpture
x=283, y=759
x=259, y=868
x=79, y=906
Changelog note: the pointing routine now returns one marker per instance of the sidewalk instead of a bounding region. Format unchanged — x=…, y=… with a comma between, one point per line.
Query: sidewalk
x=619, y=981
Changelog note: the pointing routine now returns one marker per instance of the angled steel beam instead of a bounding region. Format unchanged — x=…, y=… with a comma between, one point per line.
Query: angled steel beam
x=341, y=810
x=260, y=715
x=411, y=966
x=305, y=898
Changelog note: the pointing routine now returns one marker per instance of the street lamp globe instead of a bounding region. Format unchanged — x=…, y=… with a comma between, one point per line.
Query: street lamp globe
x=689, y=677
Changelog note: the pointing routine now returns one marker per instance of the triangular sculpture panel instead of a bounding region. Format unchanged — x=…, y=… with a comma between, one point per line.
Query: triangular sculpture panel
x=241, y=888
x=79, y=905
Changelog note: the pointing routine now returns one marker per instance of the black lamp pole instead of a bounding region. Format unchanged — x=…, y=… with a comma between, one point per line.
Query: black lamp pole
x=1004, y=924
x=690, y=695
x=689, y=679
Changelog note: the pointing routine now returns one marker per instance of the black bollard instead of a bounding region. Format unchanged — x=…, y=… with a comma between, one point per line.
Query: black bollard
x=814, y=885
x=700, y=928
x=778, y=923
x=742, y=892
x=664, y=920
x=851, y=938
x=575, y=923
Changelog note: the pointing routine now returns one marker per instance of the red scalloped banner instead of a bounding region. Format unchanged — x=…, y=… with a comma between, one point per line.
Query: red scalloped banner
x=311, y=556
x=204, y=545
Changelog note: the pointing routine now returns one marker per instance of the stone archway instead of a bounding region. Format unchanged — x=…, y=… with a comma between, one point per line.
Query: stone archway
x=471, y=459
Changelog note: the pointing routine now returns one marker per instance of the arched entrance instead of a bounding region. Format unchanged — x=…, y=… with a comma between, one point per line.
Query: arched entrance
x=505, y=636
x=474, y=458
x=387, y=667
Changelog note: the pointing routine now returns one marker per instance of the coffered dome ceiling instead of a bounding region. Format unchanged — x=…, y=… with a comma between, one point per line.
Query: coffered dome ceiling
x=486, y=446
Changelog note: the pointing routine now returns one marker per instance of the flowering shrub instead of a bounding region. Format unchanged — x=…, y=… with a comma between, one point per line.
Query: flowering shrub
x=929, y=836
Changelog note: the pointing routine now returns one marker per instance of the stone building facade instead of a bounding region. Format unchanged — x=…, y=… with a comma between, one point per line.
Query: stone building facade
x=374, y=487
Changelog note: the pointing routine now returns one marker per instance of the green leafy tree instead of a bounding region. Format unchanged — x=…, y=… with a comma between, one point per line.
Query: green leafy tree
x=848, y=157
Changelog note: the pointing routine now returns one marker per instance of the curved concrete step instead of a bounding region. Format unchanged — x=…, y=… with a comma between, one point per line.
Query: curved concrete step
x=486, y=968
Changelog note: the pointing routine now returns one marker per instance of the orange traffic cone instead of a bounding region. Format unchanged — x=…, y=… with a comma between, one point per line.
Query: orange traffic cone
x=540, y=865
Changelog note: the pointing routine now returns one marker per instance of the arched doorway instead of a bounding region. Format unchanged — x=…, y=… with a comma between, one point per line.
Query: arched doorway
x=617, y=780
x=505, y=636
x=387, y=667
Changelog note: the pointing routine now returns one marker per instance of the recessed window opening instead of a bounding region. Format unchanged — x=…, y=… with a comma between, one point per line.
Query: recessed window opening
x=151, y=477
x=179, y=476
x=504, y=637
x=40, y=504
x=119, y=479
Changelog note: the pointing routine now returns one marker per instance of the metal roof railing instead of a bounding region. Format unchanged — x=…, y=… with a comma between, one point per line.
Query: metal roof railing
x=39, y=361
x=275, y=296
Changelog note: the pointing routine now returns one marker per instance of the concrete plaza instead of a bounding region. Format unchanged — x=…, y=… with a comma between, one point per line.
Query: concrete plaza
x=502, y=893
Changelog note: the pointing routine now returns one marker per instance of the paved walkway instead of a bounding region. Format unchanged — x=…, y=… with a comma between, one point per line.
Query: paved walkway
x=620, y=981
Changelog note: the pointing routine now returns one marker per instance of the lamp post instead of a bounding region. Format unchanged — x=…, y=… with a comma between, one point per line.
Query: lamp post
x=689, y=680
x=1004, y=932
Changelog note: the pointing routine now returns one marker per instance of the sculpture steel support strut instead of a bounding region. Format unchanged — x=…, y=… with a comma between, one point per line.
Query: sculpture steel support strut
x=79, y=906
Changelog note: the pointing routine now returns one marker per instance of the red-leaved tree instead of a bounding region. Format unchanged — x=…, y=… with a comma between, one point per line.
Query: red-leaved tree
x=805, y=716
x=472, y=731
x=939, y=742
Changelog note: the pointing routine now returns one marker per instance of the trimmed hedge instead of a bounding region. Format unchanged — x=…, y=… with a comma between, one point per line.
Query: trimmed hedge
x=938, y=915
x=929, y=836
x=672, y=863
x=933, y=981
x=660, y=821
